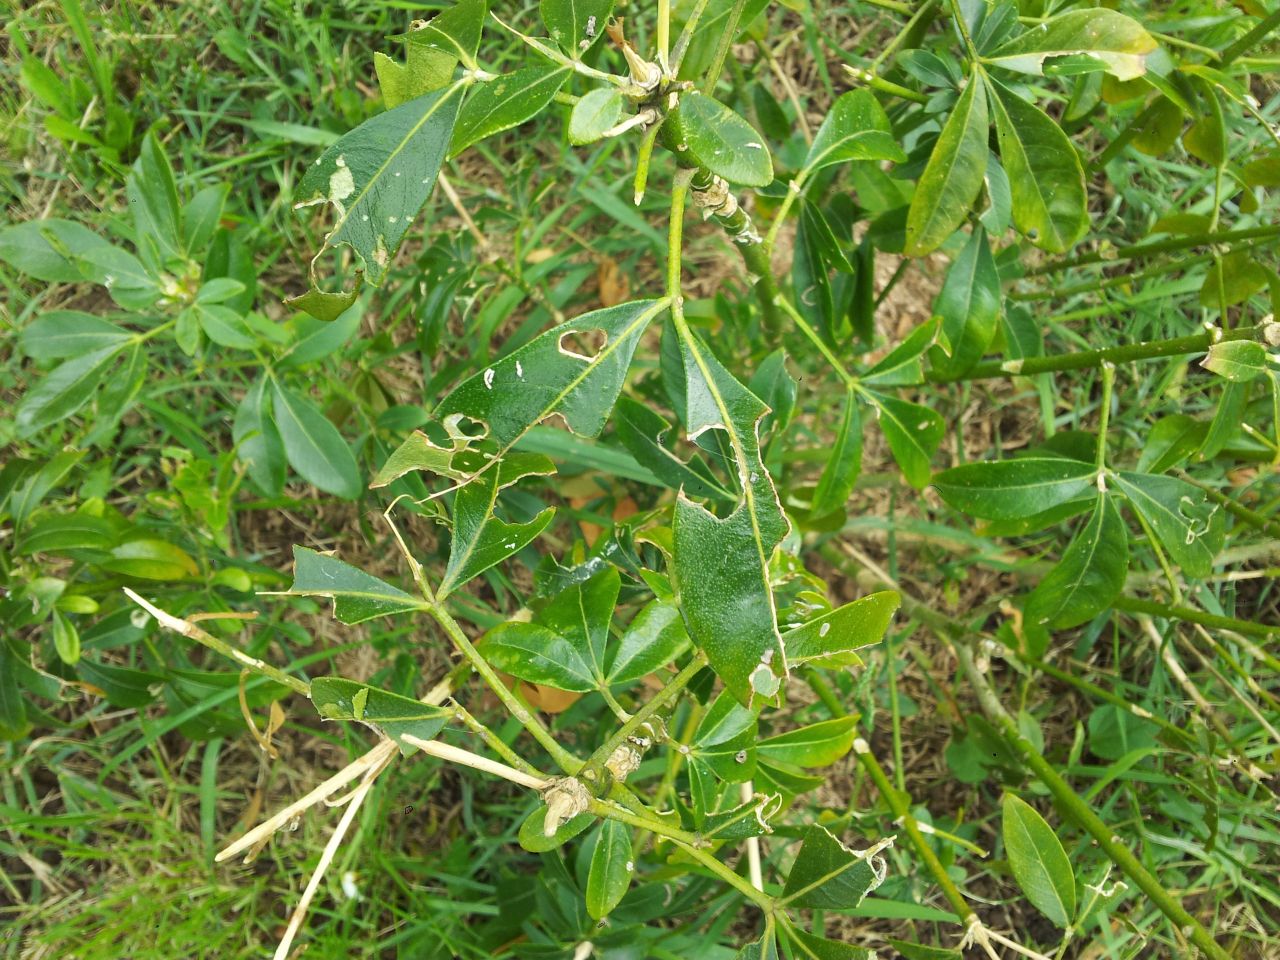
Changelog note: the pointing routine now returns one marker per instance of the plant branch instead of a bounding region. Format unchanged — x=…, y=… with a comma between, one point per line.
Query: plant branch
x=1134, y=251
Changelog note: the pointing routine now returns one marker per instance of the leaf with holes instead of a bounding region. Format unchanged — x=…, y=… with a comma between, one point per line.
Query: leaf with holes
x=357, y=596
x=1118, y=43
x=336, y=698
x=1189, y=528
x=830, y=639
x=828, y=875
x=454, y=32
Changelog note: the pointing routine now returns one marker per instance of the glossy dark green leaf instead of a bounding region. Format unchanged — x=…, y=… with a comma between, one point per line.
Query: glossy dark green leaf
x=1011, y=489
x=1039, y=863
x=1170, y=441
x=60, y=334
x=505, y=102
x=1188, y=527
x=537, y=654
x=1236, y=360
x=313, y=445
x=1118, y=41
x=969, y=305
x=817, y=745
x=722, y=564
x=258, y=443
x=64, y=390
x=454, y=31
x=914, y=433
x=725, y=740
x=829, y=640
x=596, y=112
x=845, y=463
x=611, y=868
x=651, y=641
x=481, y=539
x=377, y=178
x=357, y=596
x=903, y=365
x=713, y=136
x=647, y=435
x=828, y=875
x=575, y=24
x=336, y=698
x=806, y=946
x=952, y=178
x=1089, y=576
x=533, y=835
x=1046, y=178
x=855, y=128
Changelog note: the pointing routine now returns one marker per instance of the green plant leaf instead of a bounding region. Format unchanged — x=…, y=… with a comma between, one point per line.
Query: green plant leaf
x=806, y=946
x=856, y=128
x=1039, y=863
x=66, y=638
x=482, y=540
x=1089, y=576
x=153, y=200
x=533, y=835
x=64, y=390
x=313, y=445
x=357, y=596
x=713, y=136
x=424, y=69
x=646, y=435
x=902, y=366
x=61, y=533
x=1116, y=41
x=1170, y=441
x=766, y=948
x=1236, y=360
x=1012, y=489
x=551, y=374
x=151, y=559
x=651, y=641
x=916, y=951
x=721, y=565
x=611, y=868
x=969, y=305
x=60, y=334
x=537, y=654
x=377, y=178
x=828, y=875
x=575, y=24
x=336, y=698
x=505, y=102
x=829, y=640
x=258, y=443
x=725, y=742
x=45, y=249
x=750, y=819
x=596, y=112
x=455, y=31
x=121, y=273
x=817, y=745
x=224, y=327
x=952, y=178
x=842, y=469
x=1188, y=527
x=1046, y=178
x=13, y=709
x=914, y=433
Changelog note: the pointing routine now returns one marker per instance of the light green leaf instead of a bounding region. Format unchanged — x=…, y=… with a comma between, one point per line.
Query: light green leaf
x=575, y=24
x=1046, y=178
x=766, y=948
x=902, y=366
x=596, y=112
x=721, y=564
x=377, y=178
x=455, y=31
x=59, y=334
x=66, y=638
x=952, y=178
x=817, y=745
x=357, y=596
x=856, y=128
x=13, y=709
x=64, y=391
x=336, y=698
x=225, y=327
x=552, y=374
x=153, y=200
x=313, y=445
x=1089, y=576
x=151, y=559
x=969, y=305
x=258, y=443
x=916, y=951
x=1188, y=527
x=842, y=469
x=829, y=640
x=611, y=868
x=1118, y=41
x=806, y=946
x=46, y=249
x=1236, y=360
x=828, y=875
x=505, y=102
x=1012, y=489
x=425, y=69
x=651, y=641
x=914, y=433
x=480, y=539
x=124, y=276
x=1039, y=863
x=713, y=136
x=750, y=819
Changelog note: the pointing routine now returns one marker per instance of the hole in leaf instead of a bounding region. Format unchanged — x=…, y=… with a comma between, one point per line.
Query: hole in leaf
x=583, y=344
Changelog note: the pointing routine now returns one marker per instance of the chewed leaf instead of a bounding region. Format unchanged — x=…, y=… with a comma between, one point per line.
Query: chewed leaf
x=829, y=640
x=357, y=596
x=455, y=31
x=751, y=819
x=420, y=452
x=722, y=564
x=336, y=698
x=1186, y=524
x=828, y=875
x=1118, y=41
x=554, y=374
x=376, y=179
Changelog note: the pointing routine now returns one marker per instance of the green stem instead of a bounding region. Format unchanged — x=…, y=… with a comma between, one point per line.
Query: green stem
x=1135, y=250
x=1084, y=359
x=730, y=31
x=817, y=341
x=1247, y=40
x=1082, y=815
x=1191, y=615
x=1104, y=414
x=496, y=743
x=1251, y=517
